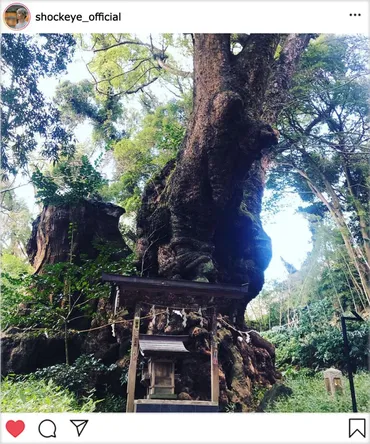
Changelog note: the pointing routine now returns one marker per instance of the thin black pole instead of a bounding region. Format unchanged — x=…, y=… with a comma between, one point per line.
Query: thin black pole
x=349, y=365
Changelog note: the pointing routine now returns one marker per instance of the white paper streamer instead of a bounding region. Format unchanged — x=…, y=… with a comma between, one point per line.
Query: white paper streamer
x=201, y=317
x=116, y=303
x=184, y=322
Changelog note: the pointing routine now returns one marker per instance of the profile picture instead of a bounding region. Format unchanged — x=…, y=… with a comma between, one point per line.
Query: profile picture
x=17, y=16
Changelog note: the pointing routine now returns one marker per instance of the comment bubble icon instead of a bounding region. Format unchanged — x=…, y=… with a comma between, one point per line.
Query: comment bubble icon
x=48, y=429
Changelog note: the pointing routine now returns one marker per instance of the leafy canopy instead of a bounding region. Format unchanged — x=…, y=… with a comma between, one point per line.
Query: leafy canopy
x=139, y=158
x=70, y=181
x=28, y=121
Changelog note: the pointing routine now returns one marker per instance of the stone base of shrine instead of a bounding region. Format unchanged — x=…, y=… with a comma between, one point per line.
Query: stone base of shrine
x=170, y=406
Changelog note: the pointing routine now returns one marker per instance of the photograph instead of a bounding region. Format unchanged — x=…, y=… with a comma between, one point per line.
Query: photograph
x=17, y=16
x=185, y=222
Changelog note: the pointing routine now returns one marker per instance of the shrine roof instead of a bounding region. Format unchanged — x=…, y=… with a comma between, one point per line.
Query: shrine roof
x=158, y=344
x=178, y=287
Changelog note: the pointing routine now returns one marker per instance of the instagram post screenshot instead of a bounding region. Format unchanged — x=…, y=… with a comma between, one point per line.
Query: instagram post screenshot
x=185, y=222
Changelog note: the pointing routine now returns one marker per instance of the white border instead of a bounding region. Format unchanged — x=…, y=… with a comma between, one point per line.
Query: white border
x=189, y=428
x=204, y=16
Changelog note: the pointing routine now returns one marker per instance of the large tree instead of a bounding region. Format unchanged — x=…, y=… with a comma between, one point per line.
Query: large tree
x=199, y=218
x=29, y=122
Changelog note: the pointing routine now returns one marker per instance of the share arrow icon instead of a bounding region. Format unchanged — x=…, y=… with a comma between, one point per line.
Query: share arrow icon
x=80, y=425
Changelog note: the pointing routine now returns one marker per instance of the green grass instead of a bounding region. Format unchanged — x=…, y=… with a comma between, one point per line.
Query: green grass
x=309, y=395
x=38, y=396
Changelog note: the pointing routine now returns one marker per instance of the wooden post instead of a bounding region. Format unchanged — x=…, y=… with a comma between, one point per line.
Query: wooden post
x=215, y=387
x=133, y=361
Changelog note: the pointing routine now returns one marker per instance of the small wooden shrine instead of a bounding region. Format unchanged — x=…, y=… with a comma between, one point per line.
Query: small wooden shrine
x=161, y=352
x=159, y=374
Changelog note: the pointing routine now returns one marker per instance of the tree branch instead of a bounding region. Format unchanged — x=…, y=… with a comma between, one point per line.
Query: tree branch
x=282, y=74
x=177, y=72
x=14, y=188
x=158, y=56
x=125, y=42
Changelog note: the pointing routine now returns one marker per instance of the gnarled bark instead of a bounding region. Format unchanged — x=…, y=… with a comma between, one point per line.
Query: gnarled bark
x=200, y=218
x=69, y=232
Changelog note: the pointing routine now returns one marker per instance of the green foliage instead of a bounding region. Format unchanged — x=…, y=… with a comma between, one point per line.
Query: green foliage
x=15, y=220
x=310, y=395
x=14, y=272
x=79, y=101
x=317, y=342
x=141, y=157
x=303, y=312
x=14, y=266
x=80, y=378
x=325, y=139
x=13, y=298
x=123, y=64
x=88, y=378
x=28, y=395
x=28, y=120
x=49, y=300
x=258, y=392
x=69, y=182
x=327, y=274
x=112, y=404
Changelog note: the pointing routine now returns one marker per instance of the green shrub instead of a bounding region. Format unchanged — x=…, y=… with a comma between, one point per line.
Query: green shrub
x=310, y=396
x=80, y=378
x=29, y=395
x=68, y=182
x=45, y=297
x=112, y=404
x=317, y=341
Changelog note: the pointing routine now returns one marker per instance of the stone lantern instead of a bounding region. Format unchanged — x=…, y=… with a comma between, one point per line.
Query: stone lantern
x=333, y=381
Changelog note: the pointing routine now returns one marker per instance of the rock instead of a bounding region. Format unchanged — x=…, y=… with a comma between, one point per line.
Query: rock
x=103, y=345
x=183, y=396
x=23, y=353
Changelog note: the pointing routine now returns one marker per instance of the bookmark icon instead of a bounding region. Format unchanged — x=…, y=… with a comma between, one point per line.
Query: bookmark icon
x=357, y=425
x=80, y=425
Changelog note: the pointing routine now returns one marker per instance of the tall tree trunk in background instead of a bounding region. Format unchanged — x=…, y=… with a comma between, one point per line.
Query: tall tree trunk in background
x=200, y=219
x=335, y=209
x=94, y=222
x=73, y=233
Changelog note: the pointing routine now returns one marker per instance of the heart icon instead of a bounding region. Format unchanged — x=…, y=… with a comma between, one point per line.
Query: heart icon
x=15, y=428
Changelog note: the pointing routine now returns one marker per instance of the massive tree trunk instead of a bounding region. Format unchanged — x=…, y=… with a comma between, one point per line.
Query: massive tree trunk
x=70, y=232
x=200, y=219
x=65, y=233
